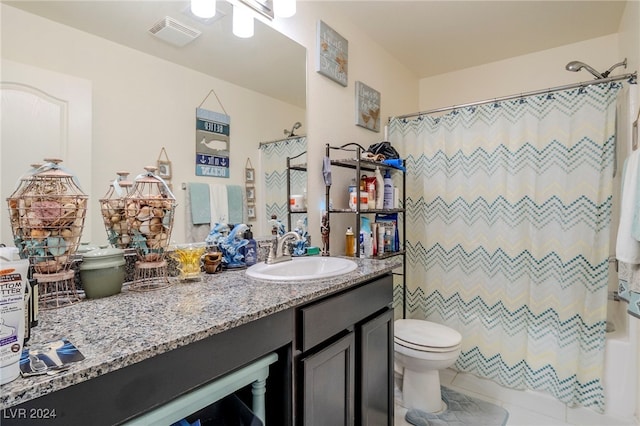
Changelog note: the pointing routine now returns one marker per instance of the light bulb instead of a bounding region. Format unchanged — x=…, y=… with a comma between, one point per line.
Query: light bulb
x=242, y=21
x=203, y=8
x=284, y=8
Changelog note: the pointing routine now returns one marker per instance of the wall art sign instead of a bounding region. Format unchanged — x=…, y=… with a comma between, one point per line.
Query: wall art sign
x=164, y=165
x=212, y=143
x=333, y=54
x=367, y=107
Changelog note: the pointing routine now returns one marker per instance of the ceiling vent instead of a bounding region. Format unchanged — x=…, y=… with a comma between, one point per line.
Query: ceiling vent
x=172, y=31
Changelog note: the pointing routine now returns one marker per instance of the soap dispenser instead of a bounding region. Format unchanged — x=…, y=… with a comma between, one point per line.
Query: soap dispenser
x=251, y=249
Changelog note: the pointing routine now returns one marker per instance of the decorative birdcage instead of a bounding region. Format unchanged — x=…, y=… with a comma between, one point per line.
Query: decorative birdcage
x=47, y=214
x=13, y=200
x=150, y=208
x=114, y=213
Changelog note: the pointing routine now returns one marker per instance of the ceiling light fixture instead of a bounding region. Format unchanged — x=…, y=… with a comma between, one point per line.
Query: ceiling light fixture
x=203, y=8
x=242, y=21
x=284, y=8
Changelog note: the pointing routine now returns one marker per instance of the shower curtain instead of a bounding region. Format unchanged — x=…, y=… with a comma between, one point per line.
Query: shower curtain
x=273, y=157
x=510, y=205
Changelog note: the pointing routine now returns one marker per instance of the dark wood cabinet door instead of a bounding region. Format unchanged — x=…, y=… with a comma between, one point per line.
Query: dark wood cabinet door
x=329, y=384
x=375, y=374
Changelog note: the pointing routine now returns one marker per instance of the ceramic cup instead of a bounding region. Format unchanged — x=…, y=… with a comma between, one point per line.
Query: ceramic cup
x=212, y=262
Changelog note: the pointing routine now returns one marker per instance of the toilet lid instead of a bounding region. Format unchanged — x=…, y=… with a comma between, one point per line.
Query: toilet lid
x=423, y=335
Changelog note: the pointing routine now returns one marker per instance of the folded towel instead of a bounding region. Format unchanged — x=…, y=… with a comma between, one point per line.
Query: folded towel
x=635, y=223
x=627, y=247
x=234, y=199
x=218, y=204
x=326, y=171
x=200, y=208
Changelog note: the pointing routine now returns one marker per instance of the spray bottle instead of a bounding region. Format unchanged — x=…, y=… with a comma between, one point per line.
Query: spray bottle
x=388, y=190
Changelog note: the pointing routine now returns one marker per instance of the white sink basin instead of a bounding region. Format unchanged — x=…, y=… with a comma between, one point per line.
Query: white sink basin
x=302, y=268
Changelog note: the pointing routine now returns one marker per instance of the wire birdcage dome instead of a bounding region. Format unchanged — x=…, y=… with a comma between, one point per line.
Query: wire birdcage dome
x=47, y=212
x=48, y=217
x=114, y=213
x=150, y=208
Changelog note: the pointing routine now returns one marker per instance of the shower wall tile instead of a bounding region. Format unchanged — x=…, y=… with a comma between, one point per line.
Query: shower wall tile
x=585, y=417
x=519, y=416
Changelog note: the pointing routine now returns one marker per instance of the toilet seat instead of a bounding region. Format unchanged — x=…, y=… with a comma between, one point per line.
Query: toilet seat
x=426, y=336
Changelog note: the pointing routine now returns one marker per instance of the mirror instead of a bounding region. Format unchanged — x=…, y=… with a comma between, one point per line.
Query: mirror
x=284, y=163
x=268, y=64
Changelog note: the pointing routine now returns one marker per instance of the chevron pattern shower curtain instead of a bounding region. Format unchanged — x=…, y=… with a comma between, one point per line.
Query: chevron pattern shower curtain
x=273, y=158
x=509, y=206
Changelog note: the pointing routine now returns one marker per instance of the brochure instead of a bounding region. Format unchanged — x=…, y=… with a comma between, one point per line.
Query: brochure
x=50, y=358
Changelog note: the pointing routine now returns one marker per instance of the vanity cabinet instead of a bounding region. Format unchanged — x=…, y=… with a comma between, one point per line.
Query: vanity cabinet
x=127, y=393
x=344, y=357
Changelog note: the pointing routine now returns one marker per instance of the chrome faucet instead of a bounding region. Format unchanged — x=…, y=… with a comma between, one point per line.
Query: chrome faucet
x=279, y=251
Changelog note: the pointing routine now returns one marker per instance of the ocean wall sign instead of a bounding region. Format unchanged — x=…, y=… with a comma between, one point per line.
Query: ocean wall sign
x=212, y=143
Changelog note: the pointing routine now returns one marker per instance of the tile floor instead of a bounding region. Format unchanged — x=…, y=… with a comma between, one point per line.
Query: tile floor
x=525, y=408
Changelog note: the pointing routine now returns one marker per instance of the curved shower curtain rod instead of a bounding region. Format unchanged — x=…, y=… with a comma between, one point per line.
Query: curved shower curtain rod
x=631, y=77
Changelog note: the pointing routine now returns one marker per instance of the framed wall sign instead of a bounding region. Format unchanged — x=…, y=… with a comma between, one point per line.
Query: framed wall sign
x=212, y=143
x=251, y=211
x=367, y=107
x=251, y=194
x=333, y=54
x=249, y=175
x=164, y=165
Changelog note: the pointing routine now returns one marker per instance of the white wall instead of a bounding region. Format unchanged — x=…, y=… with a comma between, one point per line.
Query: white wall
x=141, y=104
x=520, y=74
x=331, y=107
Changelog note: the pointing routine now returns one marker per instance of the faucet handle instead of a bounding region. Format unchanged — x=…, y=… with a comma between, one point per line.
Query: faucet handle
x=272, y=251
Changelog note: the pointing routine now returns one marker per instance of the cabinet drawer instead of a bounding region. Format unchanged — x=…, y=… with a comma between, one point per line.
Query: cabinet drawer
x=324, y=319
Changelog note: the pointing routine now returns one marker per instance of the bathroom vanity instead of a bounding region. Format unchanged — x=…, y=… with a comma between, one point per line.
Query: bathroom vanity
x=143, y=350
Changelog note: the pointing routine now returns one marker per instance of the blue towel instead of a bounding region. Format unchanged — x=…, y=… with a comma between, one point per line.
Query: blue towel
x=234, y=201
x=200, y=209
x=395, y=162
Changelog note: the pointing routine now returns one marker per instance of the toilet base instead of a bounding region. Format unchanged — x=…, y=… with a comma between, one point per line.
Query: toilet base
x=421, y=391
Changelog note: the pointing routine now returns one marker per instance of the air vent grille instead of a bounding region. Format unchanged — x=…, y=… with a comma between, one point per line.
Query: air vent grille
x=174, y=32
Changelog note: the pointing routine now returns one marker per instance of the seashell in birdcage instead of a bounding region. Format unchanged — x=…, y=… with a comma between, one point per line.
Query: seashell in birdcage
x=114, y=213
x=150, y=208
x=47, y=212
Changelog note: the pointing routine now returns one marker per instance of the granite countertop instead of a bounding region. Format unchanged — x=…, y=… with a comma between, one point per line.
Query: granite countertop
x=121, y=330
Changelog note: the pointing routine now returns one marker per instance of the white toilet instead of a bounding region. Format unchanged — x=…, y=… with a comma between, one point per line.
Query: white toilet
x=422, y=348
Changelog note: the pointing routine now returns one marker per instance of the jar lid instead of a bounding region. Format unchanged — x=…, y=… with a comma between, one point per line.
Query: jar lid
x=103, y=252
x=102, y=258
